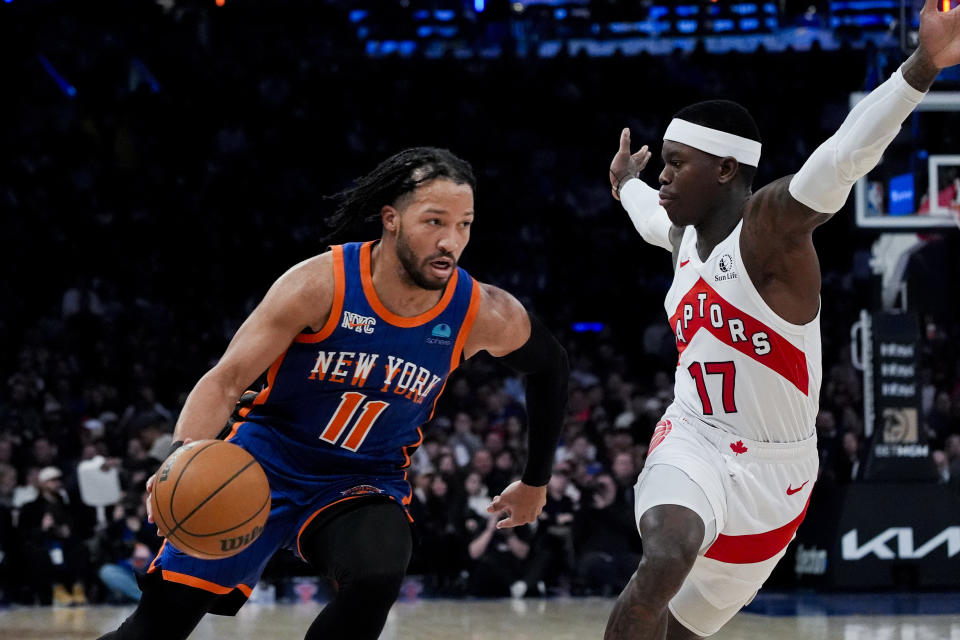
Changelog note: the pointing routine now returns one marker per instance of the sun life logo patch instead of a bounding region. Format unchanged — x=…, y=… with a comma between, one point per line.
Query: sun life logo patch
x=727, y=271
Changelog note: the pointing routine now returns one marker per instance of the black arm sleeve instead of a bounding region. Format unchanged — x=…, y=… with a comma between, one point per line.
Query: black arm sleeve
x=544, y=362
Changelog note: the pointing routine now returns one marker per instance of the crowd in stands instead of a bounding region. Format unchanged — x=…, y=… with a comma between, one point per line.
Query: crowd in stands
x=144, y=222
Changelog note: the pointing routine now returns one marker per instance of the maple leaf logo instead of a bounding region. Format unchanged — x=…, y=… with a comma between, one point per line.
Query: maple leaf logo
x=738, y=447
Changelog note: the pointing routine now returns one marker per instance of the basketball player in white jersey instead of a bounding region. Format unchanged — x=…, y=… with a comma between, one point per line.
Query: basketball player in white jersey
x=734, y=459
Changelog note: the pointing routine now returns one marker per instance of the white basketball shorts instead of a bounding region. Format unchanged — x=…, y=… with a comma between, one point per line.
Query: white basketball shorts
x=754, y=494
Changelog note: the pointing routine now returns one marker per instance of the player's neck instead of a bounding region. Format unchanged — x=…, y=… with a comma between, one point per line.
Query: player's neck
x=716, y=226
x=394, y=287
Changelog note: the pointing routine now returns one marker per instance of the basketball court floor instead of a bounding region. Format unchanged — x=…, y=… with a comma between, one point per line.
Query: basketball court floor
x=911, y=617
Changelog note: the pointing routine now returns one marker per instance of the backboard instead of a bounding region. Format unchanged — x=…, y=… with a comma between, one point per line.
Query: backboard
x=917, y=183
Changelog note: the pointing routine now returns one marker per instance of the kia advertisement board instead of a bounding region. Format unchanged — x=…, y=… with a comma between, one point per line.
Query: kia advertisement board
x=867, y=536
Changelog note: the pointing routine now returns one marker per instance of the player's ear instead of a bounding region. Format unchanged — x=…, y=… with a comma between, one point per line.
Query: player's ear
x=727, y=170
x=390, y=218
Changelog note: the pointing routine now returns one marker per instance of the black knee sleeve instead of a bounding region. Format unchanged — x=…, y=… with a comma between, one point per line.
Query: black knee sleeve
x=371, y=539
x=167, y=611
x=366, y=551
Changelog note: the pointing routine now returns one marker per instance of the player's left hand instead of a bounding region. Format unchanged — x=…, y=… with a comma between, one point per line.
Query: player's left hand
x=626, y=165
x=521, y=502
x=940, y=34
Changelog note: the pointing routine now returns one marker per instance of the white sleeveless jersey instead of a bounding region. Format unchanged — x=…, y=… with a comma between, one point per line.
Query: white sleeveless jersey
x=742, y=368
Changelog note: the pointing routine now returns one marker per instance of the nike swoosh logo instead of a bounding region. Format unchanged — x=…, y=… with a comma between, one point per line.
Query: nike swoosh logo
x=790, y=491
x=684, y=263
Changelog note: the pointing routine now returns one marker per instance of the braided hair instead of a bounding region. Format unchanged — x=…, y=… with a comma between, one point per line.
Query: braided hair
x=393, y=178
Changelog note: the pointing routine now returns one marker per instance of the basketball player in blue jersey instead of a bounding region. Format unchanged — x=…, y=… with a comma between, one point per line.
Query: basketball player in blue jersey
x=734, y=459
x=357, y=344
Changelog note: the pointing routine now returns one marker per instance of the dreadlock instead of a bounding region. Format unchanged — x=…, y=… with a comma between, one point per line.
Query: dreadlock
x=393, y=178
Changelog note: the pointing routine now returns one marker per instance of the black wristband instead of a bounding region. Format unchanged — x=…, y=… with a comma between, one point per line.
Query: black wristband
x=620, y=180
x=173, y=447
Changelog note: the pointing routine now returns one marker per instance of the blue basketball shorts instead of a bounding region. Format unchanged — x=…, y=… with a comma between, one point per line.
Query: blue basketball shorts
x=296, y=499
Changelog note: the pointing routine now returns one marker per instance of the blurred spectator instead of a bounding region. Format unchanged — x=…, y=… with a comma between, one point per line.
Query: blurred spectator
x=476, y=495
x=9, y=555
x=482, y=464
x=43, y=452
x=494, y=443
x=440, y=552
x=607, y=541
x=126, y=546
x=625, y=476
x=446, y=464
x=6, y=451
x=145, y=411
x=57, y=556
x=8, y=485
x=941, y=422
x=580, y=451
x=504, y=471
x=617, y=441
x=500, y=407
x=515, y=434
x=464, y=442
x=847, y=464
x=953, y=461
x=498, y=557
x=422, y=460
x=137, y=465
x=942, y=465
x=828, y=444
x=953, y=453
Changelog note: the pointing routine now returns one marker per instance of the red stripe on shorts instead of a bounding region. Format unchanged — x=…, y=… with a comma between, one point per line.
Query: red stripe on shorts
x=755, y=547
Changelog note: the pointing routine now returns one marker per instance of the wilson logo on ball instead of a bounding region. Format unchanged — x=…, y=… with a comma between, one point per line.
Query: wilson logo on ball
x=231, y=544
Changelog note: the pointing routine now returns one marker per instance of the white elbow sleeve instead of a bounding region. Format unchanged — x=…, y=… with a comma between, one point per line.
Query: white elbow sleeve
x=650, y=219
x=824, y=181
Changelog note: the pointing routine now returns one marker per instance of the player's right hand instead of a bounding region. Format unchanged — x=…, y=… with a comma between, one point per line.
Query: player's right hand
x=940, y=34
x=150, y=482
x=626, y=165
x=149, y=492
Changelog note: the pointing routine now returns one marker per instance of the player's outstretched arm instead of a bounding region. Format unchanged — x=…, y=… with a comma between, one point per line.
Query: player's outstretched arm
x=642, y=203
x=779, y=220
x=824, y=182
x=506, y=331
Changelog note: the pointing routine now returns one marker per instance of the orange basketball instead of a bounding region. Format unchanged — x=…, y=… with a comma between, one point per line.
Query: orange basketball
x=210, y=499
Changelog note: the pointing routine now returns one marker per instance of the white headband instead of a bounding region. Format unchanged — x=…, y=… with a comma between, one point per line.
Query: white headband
x=718, y=143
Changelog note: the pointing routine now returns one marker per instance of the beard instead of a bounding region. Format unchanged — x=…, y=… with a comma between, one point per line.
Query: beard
x=416, y=271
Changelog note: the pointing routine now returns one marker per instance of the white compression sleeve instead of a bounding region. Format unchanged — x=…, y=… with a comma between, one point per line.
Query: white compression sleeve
x=824, y=181
x=643, y=206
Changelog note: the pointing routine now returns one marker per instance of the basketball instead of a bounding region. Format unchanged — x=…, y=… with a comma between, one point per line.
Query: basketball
x=211, y=499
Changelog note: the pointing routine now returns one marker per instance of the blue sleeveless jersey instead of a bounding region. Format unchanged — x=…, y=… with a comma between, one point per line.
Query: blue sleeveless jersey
x=350, y=398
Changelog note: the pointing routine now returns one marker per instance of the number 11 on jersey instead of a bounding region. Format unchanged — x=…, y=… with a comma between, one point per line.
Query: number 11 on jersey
x=726, y=369
x=350, y=401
